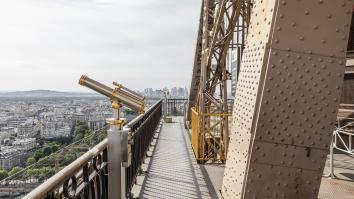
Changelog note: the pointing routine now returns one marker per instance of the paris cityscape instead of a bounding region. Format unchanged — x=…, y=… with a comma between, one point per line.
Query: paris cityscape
x=34, y=124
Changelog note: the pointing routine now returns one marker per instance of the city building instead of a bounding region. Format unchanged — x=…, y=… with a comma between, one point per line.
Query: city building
x=55, y=129
x=11, y=157
x=15, y=121
x=26, y=129
x=25, y=144
x=234, y=71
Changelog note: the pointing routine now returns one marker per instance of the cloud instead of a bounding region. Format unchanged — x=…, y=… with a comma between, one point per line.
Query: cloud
x=49, y=44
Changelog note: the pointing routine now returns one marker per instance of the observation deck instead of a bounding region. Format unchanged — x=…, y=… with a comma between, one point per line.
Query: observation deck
x=291, y=59
x=164, y=166
x=172, y=170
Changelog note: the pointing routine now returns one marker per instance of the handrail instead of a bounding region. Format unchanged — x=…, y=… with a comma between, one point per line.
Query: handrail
x=142, y=130
x=346, y=105
x=42, y=190
x=137, y=119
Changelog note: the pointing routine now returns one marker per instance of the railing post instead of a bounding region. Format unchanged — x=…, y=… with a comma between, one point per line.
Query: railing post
x=332, y=175
x=165, y=107
x=86, y=178
x=331, y=155
x=104, y=173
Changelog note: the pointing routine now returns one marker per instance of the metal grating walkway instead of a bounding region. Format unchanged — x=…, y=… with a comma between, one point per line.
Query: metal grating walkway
x=173, y=171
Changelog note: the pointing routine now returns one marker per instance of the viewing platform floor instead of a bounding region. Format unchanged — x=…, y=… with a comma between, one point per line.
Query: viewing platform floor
x=172, y=171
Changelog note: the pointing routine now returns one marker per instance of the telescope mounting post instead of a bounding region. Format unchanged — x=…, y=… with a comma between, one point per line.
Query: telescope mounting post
x=117, y=121
x=115, y=149
x=119, y=137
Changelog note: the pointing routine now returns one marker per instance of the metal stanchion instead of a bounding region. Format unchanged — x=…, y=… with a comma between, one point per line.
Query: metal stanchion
x=114, y=164
x=332, y=175
x=331, y=156
x=115, y=171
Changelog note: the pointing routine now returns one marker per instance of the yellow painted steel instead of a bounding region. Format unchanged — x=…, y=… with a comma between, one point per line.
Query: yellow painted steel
x=195, y=132
x=208, y=145
x=217, y=114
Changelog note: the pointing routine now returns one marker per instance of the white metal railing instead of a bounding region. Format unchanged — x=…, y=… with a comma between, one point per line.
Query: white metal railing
x=342, y=140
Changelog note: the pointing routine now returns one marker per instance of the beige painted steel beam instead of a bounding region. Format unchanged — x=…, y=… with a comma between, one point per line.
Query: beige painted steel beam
x=287, y=98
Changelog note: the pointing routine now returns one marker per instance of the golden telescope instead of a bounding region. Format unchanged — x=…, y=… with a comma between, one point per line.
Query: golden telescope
x=119, y=94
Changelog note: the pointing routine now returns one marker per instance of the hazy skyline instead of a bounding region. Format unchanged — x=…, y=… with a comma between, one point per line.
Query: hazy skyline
x=49, y=44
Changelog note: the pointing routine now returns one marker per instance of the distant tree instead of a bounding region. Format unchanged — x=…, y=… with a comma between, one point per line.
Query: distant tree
x=47, y=150
x=15, y=170
x=32, y=173
x=79, y=154
x=38, y=154
x=50, y=147
x=68, y=158
x=3, y=174
x=31, y=160
x=81, y=130
x=41, y=174
x=47, y=172
x=41, y=142
x=63, y=140
x=55, y=146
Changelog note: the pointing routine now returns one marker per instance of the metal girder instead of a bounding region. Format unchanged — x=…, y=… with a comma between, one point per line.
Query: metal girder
x=216, y=31
x=227, y=15
x=196, y=66
x=287, y=98
x=220, y=46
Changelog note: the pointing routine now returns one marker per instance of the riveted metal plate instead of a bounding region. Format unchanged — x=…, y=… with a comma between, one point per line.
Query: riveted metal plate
x=268, y=181
x=291, y=156
x=245, y=103
x=316, y=26
x=287, y=97
x=300, y=99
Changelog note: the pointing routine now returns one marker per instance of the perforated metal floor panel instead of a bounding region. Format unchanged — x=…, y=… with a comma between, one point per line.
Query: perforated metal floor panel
x=287, y=97
x=343, y=186
x=173, y=171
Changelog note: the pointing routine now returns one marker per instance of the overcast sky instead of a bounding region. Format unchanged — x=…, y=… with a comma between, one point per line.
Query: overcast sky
x=48, y=44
